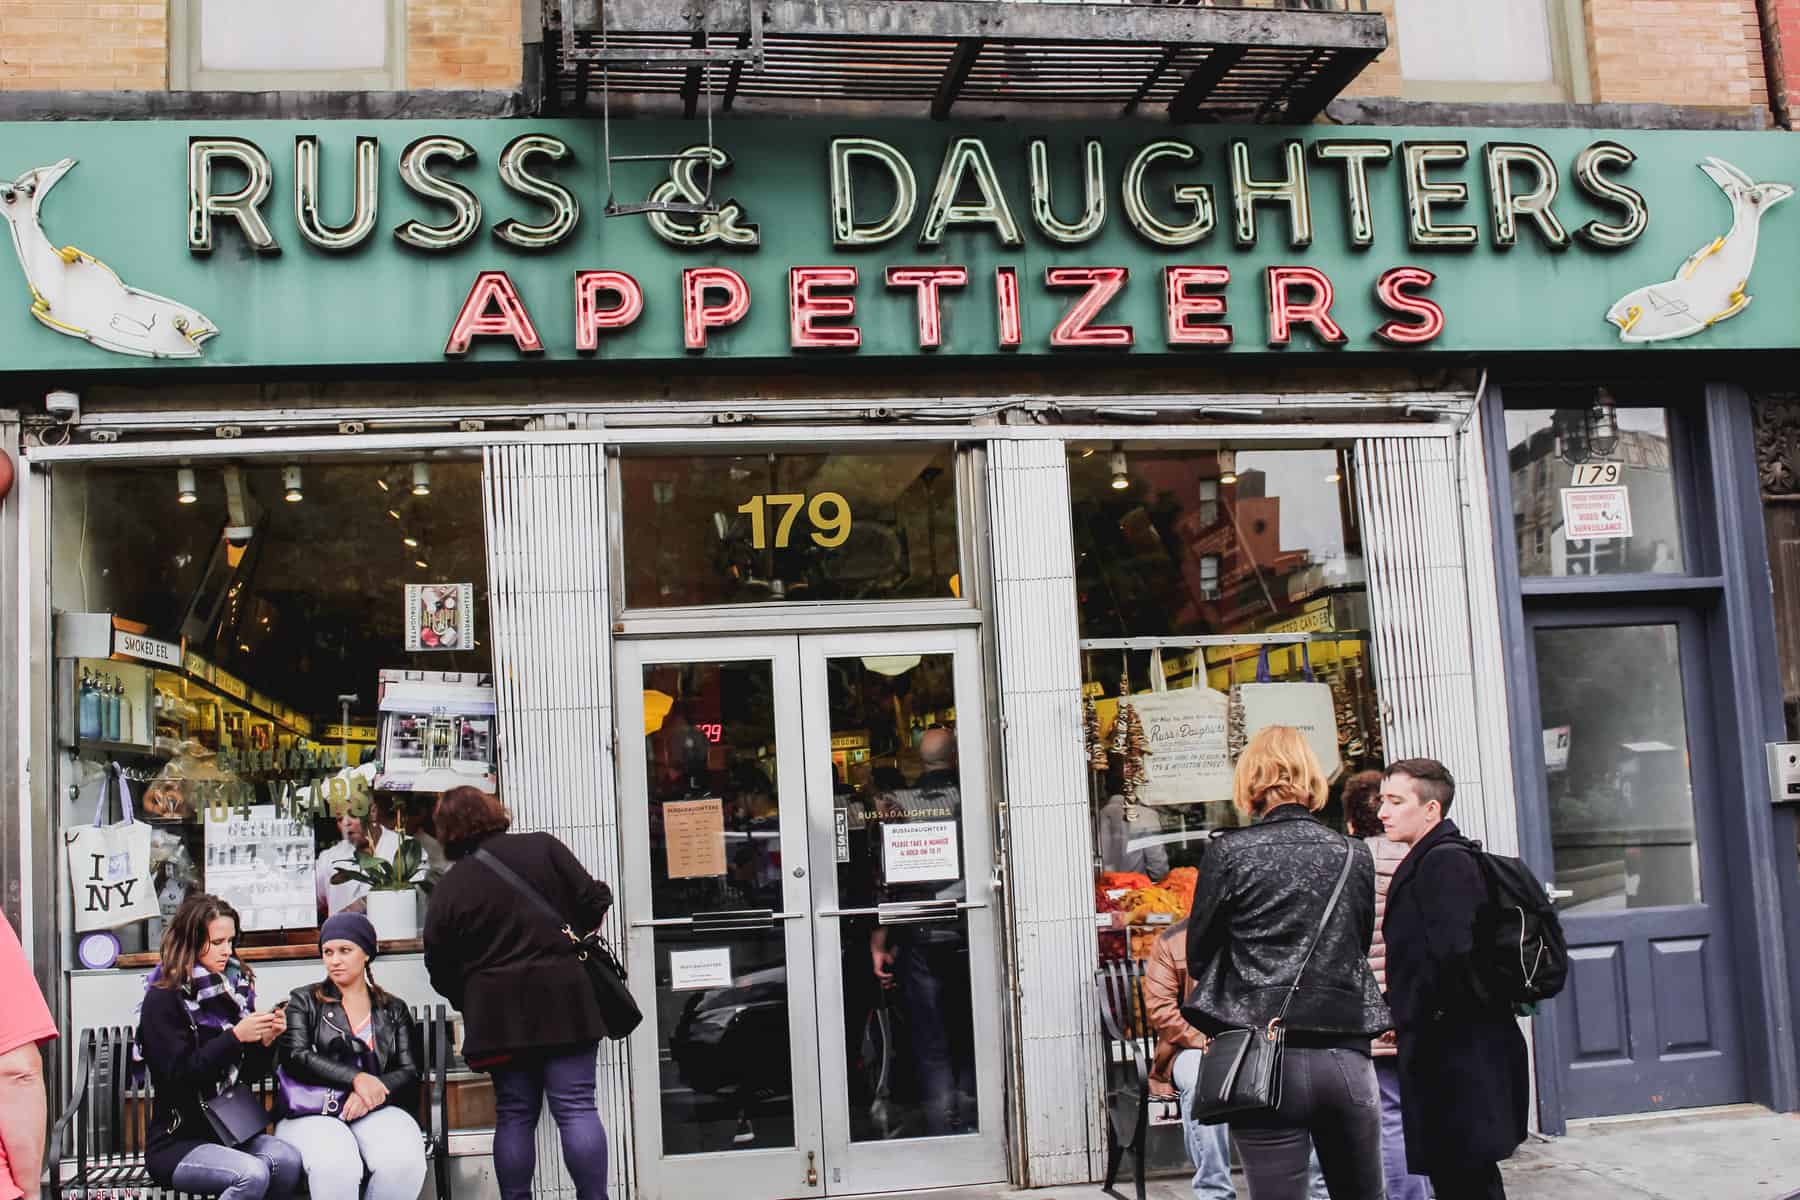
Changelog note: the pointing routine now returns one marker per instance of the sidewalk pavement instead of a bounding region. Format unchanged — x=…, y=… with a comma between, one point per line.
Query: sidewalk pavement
x=1737, y=1153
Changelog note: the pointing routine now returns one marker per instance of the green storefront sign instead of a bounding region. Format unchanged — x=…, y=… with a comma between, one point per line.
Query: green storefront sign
x=317, y=243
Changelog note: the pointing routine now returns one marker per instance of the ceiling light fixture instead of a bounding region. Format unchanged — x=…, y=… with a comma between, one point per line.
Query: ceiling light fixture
x=421, y=564
x=381, y=483
x=393, y=514
x=1120, y=478
x=421, y=479
x=1228, y=467
x=412, y=543
x=185, y=490
x=290, y=485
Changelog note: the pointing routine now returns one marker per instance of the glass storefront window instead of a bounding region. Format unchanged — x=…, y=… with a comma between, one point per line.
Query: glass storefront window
x=754, y=528
x=1254, y=558
x=1593, y=488
x=300, y=665
x=1202, y=541
x=1616, y=756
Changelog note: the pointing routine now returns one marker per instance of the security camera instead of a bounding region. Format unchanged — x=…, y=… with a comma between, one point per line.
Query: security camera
x=64, y=406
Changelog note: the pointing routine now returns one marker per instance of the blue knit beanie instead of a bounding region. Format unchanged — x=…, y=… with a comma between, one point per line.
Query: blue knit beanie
x=349, y=927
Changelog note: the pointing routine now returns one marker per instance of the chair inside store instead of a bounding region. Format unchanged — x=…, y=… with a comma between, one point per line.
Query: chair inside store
x=1131, y=1047
x=97, y=1144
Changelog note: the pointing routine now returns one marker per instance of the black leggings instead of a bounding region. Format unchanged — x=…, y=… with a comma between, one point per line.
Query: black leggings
x=1330, y=1103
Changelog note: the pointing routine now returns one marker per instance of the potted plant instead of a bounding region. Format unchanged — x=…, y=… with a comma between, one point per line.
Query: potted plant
x=391, y=906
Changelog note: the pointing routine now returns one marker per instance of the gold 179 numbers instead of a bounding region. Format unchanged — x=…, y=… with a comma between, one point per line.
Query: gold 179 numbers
x=828, y=512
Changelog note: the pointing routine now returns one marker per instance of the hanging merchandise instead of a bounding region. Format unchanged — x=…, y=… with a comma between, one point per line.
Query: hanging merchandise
x=1235, y=737
x=1135, y=748
x=1307, y=706
x=109, y=865
x=1090, y=731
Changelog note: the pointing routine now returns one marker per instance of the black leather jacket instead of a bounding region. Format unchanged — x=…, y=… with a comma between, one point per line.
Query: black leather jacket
x=1262, y=891
x=318, y=1046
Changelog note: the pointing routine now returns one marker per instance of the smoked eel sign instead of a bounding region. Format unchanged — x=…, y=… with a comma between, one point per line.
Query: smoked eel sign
x=380, y=243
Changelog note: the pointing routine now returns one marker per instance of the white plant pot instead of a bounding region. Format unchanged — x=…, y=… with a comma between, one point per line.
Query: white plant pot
x=395, y=915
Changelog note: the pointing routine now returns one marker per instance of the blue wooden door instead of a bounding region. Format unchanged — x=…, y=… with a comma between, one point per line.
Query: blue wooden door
x=1628, y=816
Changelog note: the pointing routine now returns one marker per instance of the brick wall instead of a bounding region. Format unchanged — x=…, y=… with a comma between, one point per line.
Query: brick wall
x=60, y=45
x=1703, y=53
x=462, y=44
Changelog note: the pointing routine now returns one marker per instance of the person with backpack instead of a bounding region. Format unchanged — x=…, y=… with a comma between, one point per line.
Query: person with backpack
x=1464, y=1082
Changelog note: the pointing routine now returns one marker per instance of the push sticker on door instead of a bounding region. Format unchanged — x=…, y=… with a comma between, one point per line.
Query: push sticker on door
x=919, y=852
x=1596, y=512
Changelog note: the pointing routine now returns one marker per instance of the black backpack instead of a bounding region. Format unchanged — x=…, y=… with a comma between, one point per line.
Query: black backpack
x=1520, y=956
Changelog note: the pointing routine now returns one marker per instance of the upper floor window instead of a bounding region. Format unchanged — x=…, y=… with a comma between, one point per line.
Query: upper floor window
x=256, y=45
x=1521, y=50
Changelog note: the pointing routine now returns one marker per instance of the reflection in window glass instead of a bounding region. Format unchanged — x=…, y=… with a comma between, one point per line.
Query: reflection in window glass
x=715, y=847
x=1616, y=756
x=1253, y=546
x=1584, y=507
x=754, y=528
x=1214, y=541
x=275, y=618
x=910, y=1038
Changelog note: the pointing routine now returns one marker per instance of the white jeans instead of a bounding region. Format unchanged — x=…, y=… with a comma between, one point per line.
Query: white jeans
x=387, y=1143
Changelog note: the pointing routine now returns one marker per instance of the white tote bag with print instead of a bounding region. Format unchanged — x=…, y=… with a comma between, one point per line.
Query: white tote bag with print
x=109, y=865
x=1307, y=706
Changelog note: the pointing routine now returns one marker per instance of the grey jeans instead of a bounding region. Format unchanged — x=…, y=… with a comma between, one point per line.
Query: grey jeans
x=1329, y=1103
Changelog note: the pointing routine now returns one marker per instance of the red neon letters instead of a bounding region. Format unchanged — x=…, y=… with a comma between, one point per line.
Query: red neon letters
x=1391, y=290
x=509, y=319
x=1186, y=307
x=926, y=281
x=806, y=309
x=1076, y=329
x=1285, y=312
x=590, y=318
x=823, y=307
x=697, y=316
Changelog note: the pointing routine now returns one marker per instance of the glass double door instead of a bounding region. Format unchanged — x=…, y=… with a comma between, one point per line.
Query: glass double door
x=810, y=931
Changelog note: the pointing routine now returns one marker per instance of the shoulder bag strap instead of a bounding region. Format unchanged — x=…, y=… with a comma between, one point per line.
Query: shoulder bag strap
x=1324, y=919
x=524, y=889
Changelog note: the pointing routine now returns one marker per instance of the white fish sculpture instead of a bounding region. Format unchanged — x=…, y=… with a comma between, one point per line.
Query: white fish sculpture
x=1709, y=288
x=75, y=293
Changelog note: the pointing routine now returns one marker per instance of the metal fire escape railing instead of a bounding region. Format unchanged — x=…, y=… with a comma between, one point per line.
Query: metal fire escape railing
x=1258, y=60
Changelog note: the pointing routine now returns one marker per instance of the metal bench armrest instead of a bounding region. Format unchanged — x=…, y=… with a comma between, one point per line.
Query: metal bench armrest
x=52, y=1181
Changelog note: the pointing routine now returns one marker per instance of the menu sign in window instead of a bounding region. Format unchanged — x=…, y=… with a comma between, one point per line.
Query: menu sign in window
x=262, y=864
x=694, y=832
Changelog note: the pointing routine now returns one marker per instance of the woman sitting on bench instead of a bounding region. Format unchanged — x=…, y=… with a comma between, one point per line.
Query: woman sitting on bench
x=200, y=1035
x=349, y=1074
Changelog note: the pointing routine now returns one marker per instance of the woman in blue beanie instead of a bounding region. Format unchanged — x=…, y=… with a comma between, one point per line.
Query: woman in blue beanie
x=349, y=1075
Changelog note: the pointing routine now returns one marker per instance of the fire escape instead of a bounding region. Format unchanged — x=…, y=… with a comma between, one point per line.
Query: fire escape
x=1231, y=61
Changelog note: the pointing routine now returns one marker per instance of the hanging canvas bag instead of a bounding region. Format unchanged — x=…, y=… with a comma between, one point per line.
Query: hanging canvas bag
x=1307, y=706
x=109, y=865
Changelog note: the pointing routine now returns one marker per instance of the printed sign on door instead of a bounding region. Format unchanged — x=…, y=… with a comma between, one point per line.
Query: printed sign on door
x=1596, y=512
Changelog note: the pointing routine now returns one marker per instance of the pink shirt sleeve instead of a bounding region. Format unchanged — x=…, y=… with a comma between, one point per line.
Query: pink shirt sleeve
x=24, y=1017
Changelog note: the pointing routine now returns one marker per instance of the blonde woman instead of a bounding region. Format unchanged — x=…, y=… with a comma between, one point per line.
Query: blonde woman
x=1263, y=892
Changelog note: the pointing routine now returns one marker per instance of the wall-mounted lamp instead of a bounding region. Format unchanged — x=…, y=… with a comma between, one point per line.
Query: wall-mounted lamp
x=421, y=477
x=290, y=485
x=186, y=492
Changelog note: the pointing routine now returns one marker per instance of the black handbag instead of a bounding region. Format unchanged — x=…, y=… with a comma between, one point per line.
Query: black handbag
x=236, y=1114
x=1240, y=1069
x=618, y=1009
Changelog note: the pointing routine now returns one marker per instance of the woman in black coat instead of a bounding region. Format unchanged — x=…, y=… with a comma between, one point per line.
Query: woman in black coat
x=1462, y=1059
x=529, y=1013
x=1262, y=894
x=199, y=1033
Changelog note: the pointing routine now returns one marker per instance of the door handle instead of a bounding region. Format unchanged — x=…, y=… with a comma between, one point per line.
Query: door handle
x=906, y=912
x=739, y=919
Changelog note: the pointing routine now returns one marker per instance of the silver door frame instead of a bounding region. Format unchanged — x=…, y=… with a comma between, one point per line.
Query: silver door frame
x=739, y=1172
x=911, y=1163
